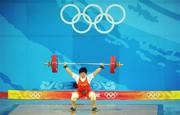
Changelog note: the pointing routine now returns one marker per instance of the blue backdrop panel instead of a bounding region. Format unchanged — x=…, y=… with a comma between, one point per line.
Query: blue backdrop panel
x=147, y=43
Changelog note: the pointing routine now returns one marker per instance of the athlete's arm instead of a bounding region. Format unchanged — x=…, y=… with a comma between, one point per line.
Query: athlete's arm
x=98, y=69
x=68, y=70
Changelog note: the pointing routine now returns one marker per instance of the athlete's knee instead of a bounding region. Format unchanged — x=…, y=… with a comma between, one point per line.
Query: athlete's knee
x=92, y=96
x=74, y=96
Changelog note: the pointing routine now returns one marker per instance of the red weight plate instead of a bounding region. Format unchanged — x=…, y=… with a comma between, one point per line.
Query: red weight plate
x=112, y=64
x=54, y=63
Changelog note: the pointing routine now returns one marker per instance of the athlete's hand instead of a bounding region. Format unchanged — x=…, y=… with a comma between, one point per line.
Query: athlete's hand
x=102, y=65
x=65, y=64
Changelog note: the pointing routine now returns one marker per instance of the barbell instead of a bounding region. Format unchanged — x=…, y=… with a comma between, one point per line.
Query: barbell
x=54, y=64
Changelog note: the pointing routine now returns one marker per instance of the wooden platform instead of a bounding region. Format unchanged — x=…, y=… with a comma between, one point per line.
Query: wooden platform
x=85, y=110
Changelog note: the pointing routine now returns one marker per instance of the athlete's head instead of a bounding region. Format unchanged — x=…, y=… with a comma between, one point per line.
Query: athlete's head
x=83, y=72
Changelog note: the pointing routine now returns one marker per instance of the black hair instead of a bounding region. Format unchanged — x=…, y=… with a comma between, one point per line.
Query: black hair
x=83, y=69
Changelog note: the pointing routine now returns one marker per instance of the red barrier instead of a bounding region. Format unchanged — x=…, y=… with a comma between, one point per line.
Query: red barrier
x=101, y=95
x=3, y=94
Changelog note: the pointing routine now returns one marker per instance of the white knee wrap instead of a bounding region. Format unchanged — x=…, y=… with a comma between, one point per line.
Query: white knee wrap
x=74, y=96
x=92, y=96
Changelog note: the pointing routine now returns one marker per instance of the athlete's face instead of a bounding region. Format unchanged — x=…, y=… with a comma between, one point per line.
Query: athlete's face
x=82, y=74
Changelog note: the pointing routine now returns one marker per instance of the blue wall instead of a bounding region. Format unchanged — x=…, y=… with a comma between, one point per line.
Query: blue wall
x=147, y=43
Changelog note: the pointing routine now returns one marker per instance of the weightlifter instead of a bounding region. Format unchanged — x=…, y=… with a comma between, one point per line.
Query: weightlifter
x=83, y=82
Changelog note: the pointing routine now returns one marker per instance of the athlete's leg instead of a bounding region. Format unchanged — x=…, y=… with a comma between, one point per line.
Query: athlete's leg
x=74, y=98
x=92, y=97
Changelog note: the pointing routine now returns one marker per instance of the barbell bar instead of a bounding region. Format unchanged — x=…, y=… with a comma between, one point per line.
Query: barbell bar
x=54, y=64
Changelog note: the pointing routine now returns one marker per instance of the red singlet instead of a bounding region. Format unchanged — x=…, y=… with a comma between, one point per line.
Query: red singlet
x=83, y=88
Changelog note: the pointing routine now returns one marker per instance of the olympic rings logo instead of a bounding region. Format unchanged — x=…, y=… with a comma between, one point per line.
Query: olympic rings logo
x=153, y=95
x=97, y=19
x=110, y=95
x=35, y=95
